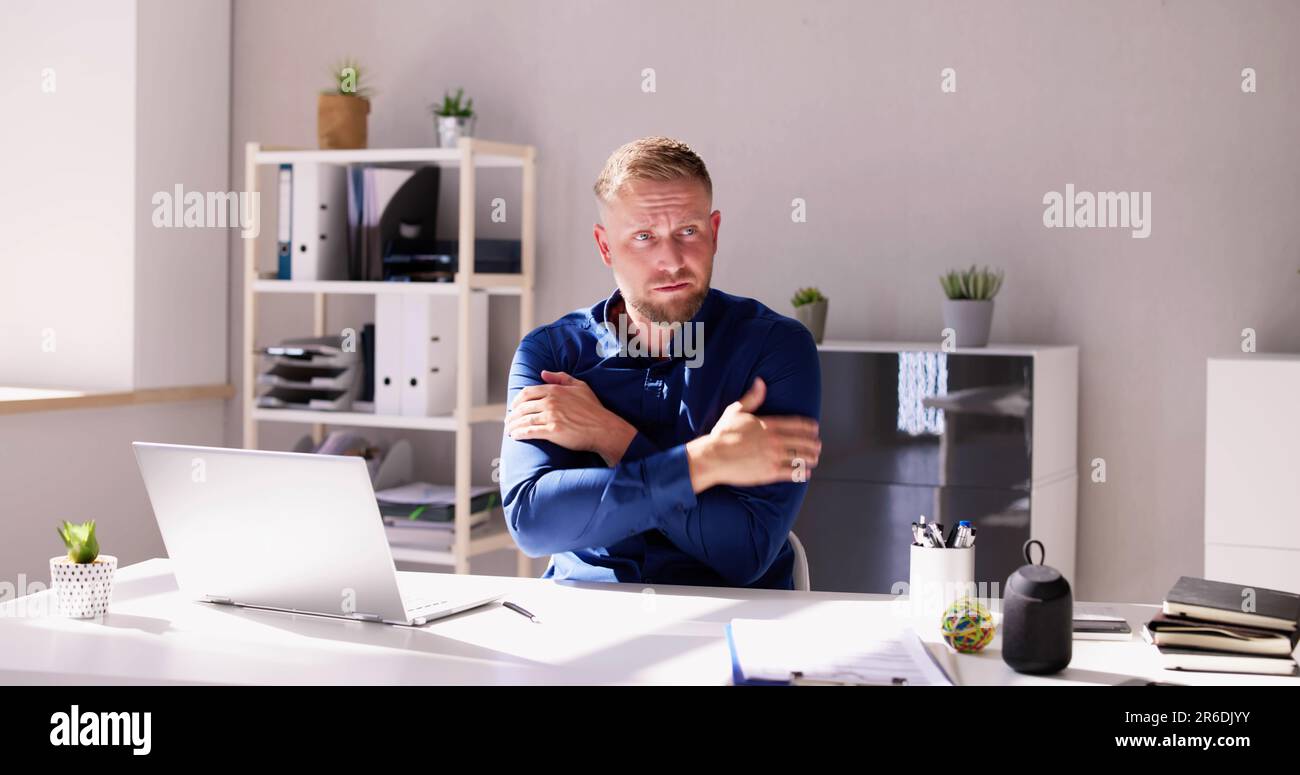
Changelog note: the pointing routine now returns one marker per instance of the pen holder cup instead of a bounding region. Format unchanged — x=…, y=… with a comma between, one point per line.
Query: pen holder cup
x=938, y=578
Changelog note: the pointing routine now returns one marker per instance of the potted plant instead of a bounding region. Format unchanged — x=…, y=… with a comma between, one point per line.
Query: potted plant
x=810, y=309
x=342, y=109
x=454, y=118
x=82, y=578
x=968, y=310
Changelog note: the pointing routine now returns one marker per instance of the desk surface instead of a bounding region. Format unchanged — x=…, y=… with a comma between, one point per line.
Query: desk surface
x=589, y=633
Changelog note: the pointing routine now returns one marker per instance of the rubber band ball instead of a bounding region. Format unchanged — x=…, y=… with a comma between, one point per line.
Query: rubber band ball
x=967, y=625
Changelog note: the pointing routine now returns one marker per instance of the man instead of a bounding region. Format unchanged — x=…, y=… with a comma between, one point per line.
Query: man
x=686, y=468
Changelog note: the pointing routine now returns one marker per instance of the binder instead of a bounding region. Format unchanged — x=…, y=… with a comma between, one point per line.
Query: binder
x=284, y=224
x=430, y=343
x=319, y=225
x=388, y=353
x=416, y=349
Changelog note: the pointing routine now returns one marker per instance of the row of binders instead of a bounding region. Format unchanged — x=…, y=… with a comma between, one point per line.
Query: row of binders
x=416, y=353
x=336, y=222
x=364, y=222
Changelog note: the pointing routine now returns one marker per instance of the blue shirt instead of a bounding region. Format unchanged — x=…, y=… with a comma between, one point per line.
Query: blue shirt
x=639, y=520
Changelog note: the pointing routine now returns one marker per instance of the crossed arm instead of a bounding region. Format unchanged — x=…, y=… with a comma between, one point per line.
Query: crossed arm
x=727, y=498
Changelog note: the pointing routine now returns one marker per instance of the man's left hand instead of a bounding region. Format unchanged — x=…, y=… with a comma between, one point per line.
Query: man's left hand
x=566, y=412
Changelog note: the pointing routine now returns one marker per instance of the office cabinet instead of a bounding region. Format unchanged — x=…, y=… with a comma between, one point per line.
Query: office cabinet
x=985, y=434
x=1252, y=488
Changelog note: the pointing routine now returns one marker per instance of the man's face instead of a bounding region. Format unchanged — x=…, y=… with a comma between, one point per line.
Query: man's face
x=659, y=237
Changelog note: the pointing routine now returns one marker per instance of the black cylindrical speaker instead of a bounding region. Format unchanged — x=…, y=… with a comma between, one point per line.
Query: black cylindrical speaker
x=1037, y=618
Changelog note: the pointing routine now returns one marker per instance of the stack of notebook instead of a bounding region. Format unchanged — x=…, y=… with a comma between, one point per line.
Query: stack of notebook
x=1226, y=628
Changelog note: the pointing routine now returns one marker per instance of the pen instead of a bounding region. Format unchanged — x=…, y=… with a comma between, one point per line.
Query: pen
x=521, y=611
x=936, y=534
x=963, y=533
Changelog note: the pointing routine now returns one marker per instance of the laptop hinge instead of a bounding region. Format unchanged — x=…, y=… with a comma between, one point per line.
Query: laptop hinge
x=217, y=599
x=367, y=617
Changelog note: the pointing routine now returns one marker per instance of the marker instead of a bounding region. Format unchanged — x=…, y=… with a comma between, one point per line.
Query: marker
x=521, y=611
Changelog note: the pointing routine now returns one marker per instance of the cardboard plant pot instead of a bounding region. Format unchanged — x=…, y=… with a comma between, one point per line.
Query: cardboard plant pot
x=813, y=316
x=341, y=121
x=83, y=589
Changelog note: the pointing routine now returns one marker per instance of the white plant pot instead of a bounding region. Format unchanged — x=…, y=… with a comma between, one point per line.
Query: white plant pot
x=970, y=319
x=452, y=128
x=813, y=316
x=83, y=589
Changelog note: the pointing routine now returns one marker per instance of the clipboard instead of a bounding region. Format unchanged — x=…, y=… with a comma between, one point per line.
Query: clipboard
x=930, y=671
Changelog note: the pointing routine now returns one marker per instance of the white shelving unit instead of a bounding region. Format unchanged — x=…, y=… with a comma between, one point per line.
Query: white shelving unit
x=471, y=155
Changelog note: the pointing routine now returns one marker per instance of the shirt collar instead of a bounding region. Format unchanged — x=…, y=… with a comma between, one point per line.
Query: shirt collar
x=607, y=335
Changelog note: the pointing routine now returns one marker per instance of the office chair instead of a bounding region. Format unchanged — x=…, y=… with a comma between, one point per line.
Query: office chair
x=802, y=583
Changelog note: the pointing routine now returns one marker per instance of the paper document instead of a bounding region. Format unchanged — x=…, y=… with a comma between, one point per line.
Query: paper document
x=772, y=650
x=425, y=494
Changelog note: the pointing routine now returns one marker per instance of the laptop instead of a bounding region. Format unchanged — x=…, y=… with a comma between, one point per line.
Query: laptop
x=288, y=531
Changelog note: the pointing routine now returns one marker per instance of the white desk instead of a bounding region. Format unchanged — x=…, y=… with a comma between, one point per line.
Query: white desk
x=589, y=633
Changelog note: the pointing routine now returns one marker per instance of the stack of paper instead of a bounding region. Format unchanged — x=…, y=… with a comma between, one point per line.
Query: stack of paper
x=311, y=373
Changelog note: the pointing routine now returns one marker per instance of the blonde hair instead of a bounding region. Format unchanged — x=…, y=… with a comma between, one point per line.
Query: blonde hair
x=650, y=158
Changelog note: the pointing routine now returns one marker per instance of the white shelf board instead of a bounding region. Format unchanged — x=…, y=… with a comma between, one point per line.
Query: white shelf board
x=442, y=157
x=493, y=284
x=446, y=422
x=843, y=345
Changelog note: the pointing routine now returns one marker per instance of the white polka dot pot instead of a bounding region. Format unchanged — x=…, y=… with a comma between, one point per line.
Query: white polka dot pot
x=83, y=589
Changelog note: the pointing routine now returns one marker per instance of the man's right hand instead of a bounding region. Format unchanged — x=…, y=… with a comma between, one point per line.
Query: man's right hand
x=746, y=450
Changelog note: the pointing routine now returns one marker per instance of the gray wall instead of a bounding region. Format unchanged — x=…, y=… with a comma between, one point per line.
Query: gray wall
x=839, y=103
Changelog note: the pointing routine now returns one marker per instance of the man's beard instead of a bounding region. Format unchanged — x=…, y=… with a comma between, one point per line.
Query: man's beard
x=679, y=310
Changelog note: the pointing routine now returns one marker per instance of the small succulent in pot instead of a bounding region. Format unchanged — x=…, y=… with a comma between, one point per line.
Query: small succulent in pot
x=810, y=309
x=454, y=117
x=83, y=578
x=973, y=284
x=968, y=310
x=80, y=539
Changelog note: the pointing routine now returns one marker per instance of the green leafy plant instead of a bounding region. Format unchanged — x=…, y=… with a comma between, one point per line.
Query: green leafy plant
x=806, y=296
x=975, y=284
x=80, y=540
x=451, y=106
x=348, y=80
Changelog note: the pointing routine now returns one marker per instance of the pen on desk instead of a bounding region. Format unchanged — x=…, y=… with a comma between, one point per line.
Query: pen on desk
x=521, y=611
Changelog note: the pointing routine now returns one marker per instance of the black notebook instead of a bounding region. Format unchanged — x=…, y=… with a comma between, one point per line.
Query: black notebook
x=1217, y=601
x=1181, y=632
